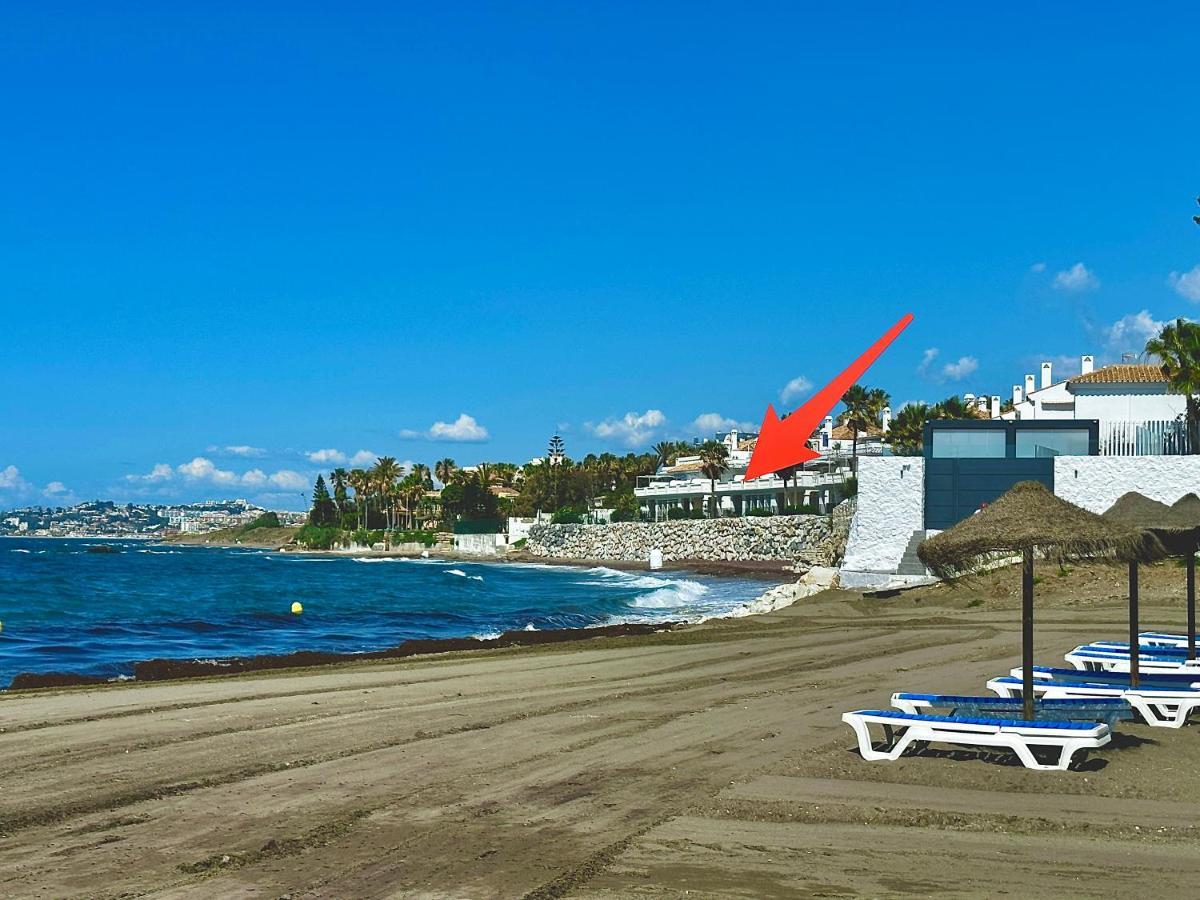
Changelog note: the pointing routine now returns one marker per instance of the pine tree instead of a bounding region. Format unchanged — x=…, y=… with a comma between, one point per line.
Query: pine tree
x=323, y=511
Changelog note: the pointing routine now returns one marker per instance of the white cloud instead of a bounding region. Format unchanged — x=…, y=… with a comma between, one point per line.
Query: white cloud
x=1038, y=267
x=464, y=429
x=951, y=371
x=1129, y=333
x=59, y=493
x=927, y=359
x=11, y=480
x=244, y=450
x=289, y=480
x=957, y=371
x=797, y=387
x=631, y=429
x=1186, y=284
x=1075, y=279
x=363, y=458
x=161, y=472
x=202, y=469
x=322, y=457
x=711, y=423
x=254, y=478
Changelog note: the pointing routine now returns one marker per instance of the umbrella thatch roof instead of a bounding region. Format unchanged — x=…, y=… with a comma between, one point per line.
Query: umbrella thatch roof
x=1029, y=517
x=1188, y=507
x=1177, y=531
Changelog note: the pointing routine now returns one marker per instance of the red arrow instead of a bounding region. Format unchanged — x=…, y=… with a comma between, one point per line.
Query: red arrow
x=781, y=442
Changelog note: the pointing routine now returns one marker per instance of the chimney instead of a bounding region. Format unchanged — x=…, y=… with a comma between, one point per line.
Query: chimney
x=1047, y=380
x=981, y=403
x=1087, y=365
x=995, y=406
x=969, y=398
x=827, y=427
x=886, y=418
x=1018, y=395
x=1029, y=386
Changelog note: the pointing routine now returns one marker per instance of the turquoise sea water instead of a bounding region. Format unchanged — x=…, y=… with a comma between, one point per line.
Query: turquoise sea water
x=66, y=609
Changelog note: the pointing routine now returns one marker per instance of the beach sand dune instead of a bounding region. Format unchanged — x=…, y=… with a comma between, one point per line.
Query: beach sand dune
x=710, y=760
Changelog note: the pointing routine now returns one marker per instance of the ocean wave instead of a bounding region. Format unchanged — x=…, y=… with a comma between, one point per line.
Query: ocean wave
x=487, y=635
x=21, y=550
x=676, y=594
x=461, y=574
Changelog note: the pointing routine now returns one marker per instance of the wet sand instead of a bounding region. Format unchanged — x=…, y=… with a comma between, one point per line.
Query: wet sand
x=710, y=759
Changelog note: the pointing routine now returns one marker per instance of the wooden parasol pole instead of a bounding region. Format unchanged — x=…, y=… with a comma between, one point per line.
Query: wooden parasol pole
x=1191, y=603
x=1133, y=624
x=1027, y=630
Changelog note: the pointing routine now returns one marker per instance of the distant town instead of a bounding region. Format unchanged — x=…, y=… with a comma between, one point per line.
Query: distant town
x=104, y=518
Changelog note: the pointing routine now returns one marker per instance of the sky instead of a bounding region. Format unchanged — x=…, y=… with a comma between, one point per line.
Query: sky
x=244, y=243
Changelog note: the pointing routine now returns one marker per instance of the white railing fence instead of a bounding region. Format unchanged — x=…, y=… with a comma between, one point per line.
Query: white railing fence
x=1165, y=437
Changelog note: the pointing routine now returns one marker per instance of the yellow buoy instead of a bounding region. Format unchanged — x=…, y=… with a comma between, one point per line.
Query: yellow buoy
x=297, y=608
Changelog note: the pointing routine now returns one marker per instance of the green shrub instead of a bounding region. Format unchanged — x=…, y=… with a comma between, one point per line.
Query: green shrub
x=415, y=536
x=675, y=513
x=568, y=515
x=850, y=487
x=266, y=520
x=478, y=526
x=759, y=512
x=519, y=545
x=318, y=537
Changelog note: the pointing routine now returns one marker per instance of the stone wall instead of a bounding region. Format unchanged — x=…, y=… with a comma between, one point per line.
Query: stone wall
x=799, y=539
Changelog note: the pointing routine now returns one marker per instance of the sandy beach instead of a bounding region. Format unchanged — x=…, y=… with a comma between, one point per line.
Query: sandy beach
x=709, y=761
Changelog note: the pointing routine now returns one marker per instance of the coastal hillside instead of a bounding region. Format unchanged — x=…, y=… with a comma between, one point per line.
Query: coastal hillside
x=272, y=538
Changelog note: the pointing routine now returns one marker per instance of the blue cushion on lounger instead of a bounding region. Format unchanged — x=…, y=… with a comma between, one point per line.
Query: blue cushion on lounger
x=975, y=720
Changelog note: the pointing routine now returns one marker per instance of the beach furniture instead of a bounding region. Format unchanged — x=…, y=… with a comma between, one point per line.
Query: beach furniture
x=1086, y=659
x=1032, y=521
x=1164, y=639
x=1101, y=676
x=1108, y=710
x=1159, y=705
x=1056, y=742
x=1177, y=529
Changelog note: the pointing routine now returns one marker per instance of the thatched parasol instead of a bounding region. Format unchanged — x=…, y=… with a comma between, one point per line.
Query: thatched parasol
x=1187, y=509
x=1177, y=535
x=1031, y=521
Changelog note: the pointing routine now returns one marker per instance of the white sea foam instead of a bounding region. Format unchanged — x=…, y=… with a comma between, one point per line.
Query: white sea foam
x=530, y=627
x=487, y=635
x=21, y=550
x=461, y=574
x=673, y=594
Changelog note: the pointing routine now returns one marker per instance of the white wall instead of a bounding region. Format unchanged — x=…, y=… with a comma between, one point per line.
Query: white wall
x=891, y=506
x=478, y=544
x=1147, y=406
x=1096, y=482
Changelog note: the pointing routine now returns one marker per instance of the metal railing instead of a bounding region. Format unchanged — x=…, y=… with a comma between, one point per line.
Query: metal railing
x=1164, y=437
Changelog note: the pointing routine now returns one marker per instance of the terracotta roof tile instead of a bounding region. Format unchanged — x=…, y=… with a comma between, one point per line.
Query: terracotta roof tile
x=1125, y=373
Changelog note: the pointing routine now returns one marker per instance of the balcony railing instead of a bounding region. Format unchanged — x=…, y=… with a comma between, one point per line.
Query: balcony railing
x=1165, y=437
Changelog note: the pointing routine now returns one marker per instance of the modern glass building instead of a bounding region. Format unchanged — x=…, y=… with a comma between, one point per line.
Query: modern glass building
x=969, y=463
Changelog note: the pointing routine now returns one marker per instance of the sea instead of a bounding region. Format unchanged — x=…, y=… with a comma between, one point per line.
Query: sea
x=66, y=608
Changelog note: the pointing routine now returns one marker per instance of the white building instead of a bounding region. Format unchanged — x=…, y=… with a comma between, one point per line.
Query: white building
x=817, y=484
x=1137, y=412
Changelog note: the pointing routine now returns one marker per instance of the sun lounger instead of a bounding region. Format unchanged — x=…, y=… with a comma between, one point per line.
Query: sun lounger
x=1164, y=650
x=1158, y=679
x=1165, y=639
x=1163, y=706
x=1086, y=659
x=1084, y=709
x=1058, y=741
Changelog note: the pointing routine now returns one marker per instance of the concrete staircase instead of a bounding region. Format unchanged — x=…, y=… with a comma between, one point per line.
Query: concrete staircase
x=910, y=563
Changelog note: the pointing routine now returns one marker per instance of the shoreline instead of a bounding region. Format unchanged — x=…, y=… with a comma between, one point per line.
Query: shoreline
x=771, y=599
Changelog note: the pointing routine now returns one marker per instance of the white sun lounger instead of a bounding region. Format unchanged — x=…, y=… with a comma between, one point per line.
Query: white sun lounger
x=1090, y=659
x=901, y=730
x=1183, y=680
x=1166, y=639
x=1108, y=710
x=1163, y=706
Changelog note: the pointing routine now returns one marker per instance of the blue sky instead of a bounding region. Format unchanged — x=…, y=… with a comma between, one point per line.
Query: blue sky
x=426, y=232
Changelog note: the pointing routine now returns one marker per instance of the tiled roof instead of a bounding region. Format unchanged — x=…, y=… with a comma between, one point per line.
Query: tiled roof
x=684, y=467
x=1137, y=373
x=748, y=444
x=845, y=433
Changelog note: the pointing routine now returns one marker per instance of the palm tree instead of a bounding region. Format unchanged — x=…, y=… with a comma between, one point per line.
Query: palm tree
x=385, y=473
x=786, y=473
x=360, y=481
x=863, y=409
x=665, y=450
x=483, y=472
x=444, y=470
x=1178, y=347
x=714, y=460
x=337, y=478
x=907, y=435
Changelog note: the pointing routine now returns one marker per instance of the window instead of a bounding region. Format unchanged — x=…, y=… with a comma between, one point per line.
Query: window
x=968, y=443
x=1043, y=443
